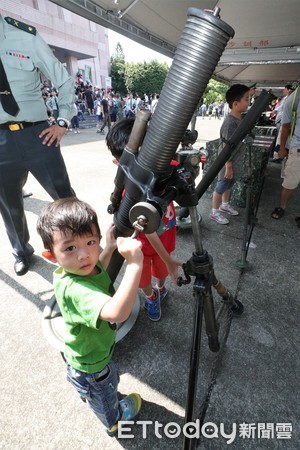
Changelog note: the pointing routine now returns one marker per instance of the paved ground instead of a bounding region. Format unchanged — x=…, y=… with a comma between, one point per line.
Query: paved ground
x=254, y=379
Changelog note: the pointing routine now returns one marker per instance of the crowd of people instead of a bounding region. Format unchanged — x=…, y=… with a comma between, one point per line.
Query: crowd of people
x=216, y=110
x=108, y=106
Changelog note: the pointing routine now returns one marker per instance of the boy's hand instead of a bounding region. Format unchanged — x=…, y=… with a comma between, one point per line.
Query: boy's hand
x=228, y=172
x=130, y=249
x=111, y=242
x=172, y=267
x=282, y=153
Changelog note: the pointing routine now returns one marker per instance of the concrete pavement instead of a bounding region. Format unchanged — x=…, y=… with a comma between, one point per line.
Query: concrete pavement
x=252, y=381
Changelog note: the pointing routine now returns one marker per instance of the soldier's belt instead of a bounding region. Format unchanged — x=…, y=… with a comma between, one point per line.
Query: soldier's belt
x=17, y=126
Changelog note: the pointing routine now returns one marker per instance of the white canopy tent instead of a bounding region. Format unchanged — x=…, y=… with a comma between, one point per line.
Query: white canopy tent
x=265, y=48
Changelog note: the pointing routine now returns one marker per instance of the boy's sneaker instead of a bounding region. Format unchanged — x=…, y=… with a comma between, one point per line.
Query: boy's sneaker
x=130, y=407
x=153, y=306
x=218, y=217
x=229, y=210
x=162, y=293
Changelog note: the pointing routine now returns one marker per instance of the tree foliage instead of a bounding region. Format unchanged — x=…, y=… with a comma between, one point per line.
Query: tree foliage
x=214, y=92
x=136, y=78
x=149, y=77
x=145, y=77
x=117, y=73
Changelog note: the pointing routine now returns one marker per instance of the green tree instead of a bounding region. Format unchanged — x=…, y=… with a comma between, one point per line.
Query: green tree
x=214, y=92
x=145, y=77
x=117, y=72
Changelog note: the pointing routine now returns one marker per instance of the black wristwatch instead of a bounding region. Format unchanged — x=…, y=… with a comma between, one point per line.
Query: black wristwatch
x=62, y=123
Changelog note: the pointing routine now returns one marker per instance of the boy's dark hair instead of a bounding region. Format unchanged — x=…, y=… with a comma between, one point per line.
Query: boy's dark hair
x=118, y=136
x=235, y=93
x=289, y=87
x=66, y=214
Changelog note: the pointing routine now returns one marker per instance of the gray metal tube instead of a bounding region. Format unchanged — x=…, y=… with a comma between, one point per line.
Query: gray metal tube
x=201, y=45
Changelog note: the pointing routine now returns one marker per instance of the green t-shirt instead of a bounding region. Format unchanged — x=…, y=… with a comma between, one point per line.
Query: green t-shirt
x=89, y=341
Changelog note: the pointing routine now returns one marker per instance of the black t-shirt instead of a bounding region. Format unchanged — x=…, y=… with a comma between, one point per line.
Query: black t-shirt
x=105, y=106
x=88, y=95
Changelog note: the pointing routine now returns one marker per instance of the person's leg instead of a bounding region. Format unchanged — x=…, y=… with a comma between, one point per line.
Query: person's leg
x=108, y=121
x=290, y=182
x=215, y=214
x=160, y=272
x=148, y=291
x=76, y=123
x=73, y=122
x=98, y=124
x=13, y=176
x=161, y=282
x=104, y=123
x=216, y=200
x=151, y=299
x=226, y=196
x=285, y=196
x=46, y=164
x=225, y=206
x=99, y=391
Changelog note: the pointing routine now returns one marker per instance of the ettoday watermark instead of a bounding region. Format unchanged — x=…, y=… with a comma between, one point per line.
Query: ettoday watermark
x=209, y=430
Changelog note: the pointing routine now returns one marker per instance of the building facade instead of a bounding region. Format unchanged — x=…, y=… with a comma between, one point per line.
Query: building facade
x=81, y=45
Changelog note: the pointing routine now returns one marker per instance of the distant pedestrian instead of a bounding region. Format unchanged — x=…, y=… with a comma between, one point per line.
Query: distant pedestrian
x=75, y=121
x=203, y=108
x=154, y=103
x=216, y=111
x=105, y=109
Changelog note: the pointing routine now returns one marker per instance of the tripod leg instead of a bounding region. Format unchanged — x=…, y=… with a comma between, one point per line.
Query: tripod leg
x=210, y=321
x=194, y=359
x=232, y=303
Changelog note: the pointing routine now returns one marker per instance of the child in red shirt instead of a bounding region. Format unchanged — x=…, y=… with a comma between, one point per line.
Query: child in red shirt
x=158, y=246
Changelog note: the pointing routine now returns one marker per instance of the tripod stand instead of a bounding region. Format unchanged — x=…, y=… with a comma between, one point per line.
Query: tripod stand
x=200, y=265
x=144, y=181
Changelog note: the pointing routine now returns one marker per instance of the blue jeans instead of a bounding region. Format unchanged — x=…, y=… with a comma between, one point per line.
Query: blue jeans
x=99, y=390
x=224, y=185
x=75, y=122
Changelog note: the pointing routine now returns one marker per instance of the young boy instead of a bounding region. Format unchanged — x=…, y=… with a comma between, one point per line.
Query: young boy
x=157, y=247
x=237, y=98
x=71, y=237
